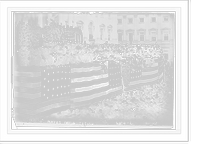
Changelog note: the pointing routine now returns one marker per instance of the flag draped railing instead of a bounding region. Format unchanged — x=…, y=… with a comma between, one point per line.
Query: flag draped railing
x=48, y=89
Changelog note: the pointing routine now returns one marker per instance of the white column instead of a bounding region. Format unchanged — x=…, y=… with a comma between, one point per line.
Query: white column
x=147, y=19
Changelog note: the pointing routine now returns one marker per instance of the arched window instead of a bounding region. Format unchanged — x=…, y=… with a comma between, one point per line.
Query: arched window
x=153, y=34
x=141, y=33
x=90, y=29
x=102, y=29
x=166, y=34
x=109, y=32
x=129, y=34
x=79, y=25
x=120, y=33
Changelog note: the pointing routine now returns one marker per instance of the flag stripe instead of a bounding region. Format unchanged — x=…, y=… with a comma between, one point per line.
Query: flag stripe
x=114, y=91
x=27, y=95
x=88, y=88
x=27, y=74
x=149, y=80
x=89, y=78
x=89, y=97
x=149, y=69
x=88, y=83
x=146, y=66
x=27, y=90
x=135, y=82
x=88, y=102
x=85, y=65
x=28, y=68
x=87, y=93
x=150, y=72
x=85, y=74
x=28, y=85
x=150, y=76
x=78, y=70
x=24, y=79
x=41, y=104
x=41, y=109
x=27, y=101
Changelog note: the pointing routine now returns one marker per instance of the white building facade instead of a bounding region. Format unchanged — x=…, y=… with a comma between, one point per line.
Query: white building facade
x=148, y=28
x=117, y=27
x=99, y=27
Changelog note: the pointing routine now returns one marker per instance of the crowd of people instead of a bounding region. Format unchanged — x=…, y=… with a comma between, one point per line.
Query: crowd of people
x=57, y=45
x=65, y=52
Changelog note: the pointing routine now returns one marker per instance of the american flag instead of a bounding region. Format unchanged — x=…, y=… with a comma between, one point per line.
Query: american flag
x=89, y=83
x=131, y=78
x=150, y=71
x=41, y=90
x=92, y=82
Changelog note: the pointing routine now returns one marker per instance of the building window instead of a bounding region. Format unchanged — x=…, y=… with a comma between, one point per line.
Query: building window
x=102, y=28
x=153, y=35
x=79, y=24
x=120, y=36
x=141, y=37
x=166, y=37
x=119, y=21
x=166, y=18
x=101, y=33
x=153, y=19
x=109, y=31
x=141, y=20
x=130, y=37
x=153, y=38
x=90, y=29
x=130, y=20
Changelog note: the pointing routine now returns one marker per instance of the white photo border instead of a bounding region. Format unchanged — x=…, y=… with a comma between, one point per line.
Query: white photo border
x=9, y=133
